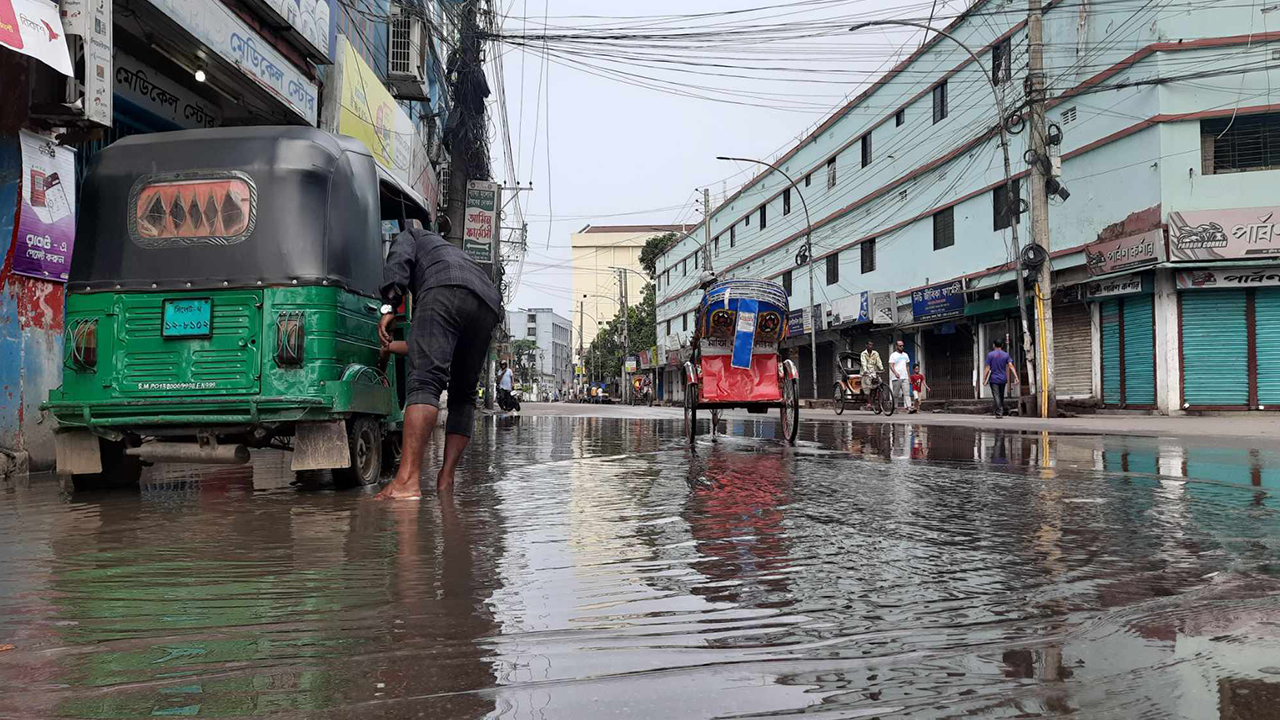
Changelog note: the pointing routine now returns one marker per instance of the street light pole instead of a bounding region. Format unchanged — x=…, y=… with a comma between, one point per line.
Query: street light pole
x=1011, y=198
x=808, y=244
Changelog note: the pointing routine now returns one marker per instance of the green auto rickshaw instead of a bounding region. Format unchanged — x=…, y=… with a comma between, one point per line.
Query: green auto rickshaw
x=224, y=296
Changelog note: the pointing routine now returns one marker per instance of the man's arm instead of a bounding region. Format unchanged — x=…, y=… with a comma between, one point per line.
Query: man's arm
x=986, y=373
x=1013, y=372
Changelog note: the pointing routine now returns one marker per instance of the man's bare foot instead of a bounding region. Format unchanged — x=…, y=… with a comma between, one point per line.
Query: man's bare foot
x=444, y=482
x=400, y=489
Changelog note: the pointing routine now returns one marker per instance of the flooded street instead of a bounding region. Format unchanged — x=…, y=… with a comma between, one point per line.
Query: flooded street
x=599, y=568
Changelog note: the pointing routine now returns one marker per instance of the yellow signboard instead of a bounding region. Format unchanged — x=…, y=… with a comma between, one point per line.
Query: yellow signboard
x=370, y=114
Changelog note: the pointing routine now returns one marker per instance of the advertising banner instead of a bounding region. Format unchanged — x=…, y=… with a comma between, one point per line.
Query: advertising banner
x=938, y=301
x=367, y=112
x=481, y=224
x=1224, y=234
x=46, y=231
x=217, y=26
x=90, y=21
x=1128, y=253
x=34, y=28
x=631, y=364
x=145, y=87
x=1123, y=285
x=1227, y=278
x=884, y=308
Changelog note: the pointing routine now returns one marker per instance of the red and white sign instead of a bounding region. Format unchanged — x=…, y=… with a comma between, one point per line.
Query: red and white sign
x=34, y=28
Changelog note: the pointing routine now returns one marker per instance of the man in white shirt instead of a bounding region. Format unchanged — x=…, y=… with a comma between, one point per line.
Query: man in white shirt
x=900, y=374
x=505, y=382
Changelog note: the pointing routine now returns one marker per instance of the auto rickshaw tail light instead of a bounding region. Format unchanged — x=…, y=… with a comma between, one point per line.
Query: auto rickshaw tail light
x=84, y=344
x=290, y=336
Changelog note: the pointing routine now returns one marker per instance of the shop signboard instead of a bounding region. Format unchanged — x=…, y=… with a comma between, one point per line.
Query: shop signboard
x=90, y=21
x=1215, y=278
x=46, y=231
x=1111, y=287
x=481, y=221
x=218, y=27
x=34, y=28
x=884, y=308
x=798, y=323
x=849, y=309
x=631, y=364
x=143, y=86
x=937, y=302
x=1236, y=234
x=362, y=108
x=1128, y=253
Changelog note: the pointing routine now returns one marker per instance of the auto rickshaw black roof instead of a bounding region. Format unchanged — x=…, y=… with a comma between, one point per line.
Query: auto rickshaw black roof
x=314, y=216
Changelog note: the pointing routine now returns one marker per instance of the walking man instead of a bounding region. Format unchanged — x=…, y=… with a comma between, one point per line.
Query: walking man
x=900, y=376
x=999, y=370
x=505, y=385
x=456, y=308
x=872, y=366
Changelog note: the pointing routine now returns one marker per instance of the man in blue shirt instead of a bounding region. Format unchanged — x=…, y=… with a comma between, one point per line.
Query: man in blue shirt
x=999, y=370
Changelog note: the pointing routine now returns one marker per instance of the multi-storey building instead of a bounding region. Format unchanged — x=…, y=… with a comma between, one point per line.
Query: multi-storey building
x=597, y=250
x=553, y=359
x=1163, y=257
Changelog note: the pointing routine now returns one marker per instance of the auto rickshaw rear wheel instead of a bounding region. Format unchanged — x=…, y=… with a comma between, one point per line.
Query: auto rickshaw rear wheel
x=118, y=470
x=364, y=441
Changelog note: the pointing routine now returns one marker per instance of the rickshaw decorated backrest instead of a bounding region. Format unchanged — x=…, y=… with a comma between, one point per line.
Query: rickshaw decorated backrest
x=230, y=207
x=718, y=313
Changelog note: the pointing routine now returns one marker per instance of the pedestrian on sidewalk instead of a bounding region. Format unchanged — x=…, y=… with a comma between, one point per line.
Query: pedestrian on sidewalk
x=918, y=387
x=506, y=383
x=900, y=377
x=456, y=308
x=872, y=366
x=999, y=370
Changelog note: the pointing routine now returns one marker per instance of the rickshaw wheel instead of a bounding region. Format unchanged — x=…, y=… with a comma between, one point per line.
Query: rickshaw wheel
x=364, y=439
x=691, y=411
x=839, y=398
x=790, y=410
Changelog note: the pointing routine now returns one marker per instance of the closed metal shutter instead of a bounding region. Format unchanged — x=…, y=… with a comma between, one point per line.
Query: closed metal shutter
x=1110, y=320
x=1215, y=347
x=1139, y=351
x=1266, y=315
x=1073, y=350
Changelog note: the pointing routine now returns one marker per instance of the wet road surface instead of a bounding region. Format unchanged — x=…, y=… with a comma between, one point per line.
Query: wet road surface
x=597, y=568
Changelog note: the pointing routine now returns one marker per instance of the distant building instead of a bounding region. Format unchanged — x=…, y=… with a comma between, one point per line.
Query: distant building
x=597, y=249
x=553, y=362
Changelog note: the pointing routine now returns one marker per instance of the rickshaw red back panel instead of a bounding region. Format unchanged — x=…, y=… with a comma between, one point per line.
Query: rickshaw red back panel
x=721, y=382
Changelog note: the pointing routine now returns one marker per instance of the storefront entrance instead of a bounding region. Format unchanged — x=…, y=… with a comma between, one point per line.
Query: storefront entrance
x=1227, y=363
x=948, y=352
x=1128, y=352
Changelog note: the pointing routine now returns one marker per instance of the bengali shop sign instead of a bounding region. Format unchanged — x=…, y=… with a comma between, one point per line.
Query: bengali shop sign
x=1136, y=251
x=46, y=231
x=481, y=225
x=1236, y=234
x=1123, y=285
x=1228, y=278
x=144, y=86
x=938, y=301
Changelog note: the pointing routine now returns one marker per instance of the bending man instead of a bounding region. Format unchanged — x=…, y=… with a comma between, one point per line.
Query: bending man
x=455, y=310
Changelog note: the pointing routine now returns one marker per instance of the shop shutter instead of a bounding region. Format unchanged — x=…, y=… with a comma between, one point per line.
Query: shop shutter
x=1073, y=350
x=1266, y=323
x=1139, y=351
x=1110, y=320
x=1215, y=347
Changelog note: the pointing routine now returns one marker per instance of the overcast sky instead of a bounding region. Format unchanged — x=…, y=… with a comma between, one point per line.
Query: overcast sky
x=614, y=148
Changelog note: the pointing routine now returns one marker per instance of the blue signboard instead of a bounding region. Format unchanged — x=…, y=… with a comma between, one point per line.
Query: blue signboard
x=938, y=301
x=795, y=322
x=864, y=308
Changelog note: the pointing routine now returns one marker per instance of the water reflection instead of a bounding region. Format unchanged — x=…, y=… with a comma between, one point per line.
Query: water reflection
x=591, y=567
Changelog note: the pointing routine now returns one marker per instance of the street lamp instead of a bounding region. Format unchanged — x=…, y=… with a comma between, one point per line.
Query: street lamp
x=1008, y=166
x=808, y=245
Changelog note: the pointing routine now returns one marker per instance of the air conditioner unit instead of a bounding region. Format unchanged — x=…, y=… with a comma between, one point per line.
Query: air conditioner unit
x=407, y=56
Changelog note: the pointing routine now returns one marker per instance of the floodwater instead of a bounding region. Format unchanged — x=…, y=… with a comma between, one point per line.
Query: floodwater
x=597, y=568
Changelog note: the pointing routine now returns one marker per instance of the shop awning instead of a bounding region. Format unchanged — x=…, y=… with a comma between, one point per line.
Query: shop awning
x=991, y=305
x=34, y=28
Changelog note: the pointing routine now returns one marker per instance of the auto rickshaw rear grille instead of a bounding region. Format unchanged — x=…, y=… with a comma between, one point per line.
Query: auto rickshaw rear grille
x=226, y=360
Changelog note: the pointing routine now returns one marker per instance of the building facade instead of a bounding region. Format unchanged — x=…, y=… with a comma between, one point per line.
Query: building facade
x=1162, y=125
x=553, y=358
x=595, y=251
x=98, y=72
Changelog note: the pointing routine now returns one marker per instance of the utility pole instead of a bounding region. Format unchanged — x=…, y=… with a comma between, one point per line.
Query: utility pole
x=706, y=228
x=626, y=333
x=1046, y=396
x=582, y=331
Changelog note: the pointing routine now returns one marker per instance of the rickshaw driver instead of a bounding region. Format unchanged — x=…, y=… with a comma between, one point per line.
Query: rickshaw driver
x=456, y=308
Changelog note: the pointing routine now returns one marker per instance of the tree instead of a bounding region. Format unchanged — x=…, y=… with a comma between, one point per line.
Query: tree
x=653, y=248
x=604, y=356
x=524, y=355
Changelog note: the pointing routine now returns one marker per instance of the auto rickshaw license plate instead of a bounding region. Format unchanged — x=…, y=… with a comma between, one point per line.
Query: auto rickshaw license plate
x=187, y=318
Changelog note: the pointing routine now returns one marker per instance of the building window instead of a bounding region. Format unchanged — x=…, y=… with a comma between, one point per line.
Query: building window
x=764, y=216
x=1005, y=209
x=868, y=256
x=684, y=322
x=531, y=332
x=808, y=180
x=900, y=118
x=1001, y=69
x=833, y=268
x=786, y=282
x=831, y=173
x=657, y=283
x=717, y=247
x=668, y=328
x=940, y=102
x=667, y=282
x=786, y=201
x=746, y=221
x=733, y=236
x=533, y=319
x=944, y=228
x=1250, y=143
x=684, y=267
x=866, y=150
